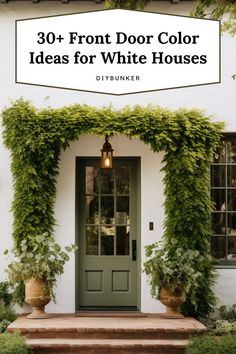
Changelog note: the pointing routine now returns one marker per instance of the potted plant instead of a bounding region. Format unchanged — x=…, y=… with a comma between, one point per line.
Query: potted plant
x=38, y=261
x=172, y=275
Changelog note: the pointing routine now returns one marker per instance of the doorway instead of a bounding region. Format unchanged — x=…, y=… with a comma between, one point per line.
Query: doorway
x=107, y=217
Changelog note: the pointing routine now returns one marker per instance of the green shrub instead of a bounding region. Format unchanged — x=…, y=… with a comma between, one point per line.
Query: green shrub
x=221, y=322
x=229, y=313
x=224, y=327
x=5, y=295
x=209, y=322
x=13, y=344
x=228, y=345
x=10, y=295
x=212, y=345
x=203, y=345
x=7, y=315
x=3, y=325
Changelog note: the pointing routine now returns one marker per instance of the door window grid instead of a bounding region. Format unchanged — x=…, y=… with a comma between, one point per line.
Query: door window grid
x=103, y=225
x=223, y=192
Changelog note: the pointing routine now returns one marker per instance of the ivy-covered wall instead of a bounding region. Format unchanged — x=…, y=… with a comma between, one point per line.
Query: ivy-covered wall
x=37, y=137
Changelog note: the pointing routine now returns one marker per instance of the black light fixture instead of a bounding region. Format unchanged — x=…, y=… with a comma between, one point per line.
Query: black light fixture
x=106, y=154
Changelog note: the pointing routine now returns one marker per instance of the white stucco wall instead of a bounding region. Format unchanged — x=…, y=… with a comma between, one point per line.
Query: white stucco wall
x=225, y=287
x=218, y=100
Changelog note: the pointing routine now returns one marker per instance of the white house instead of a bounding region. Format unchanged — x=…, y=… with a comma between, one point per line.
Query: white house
x=218, y=101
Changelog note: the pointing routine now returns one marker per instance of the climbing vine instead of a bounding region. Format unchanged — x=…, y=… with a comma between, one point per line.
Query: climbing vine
x=36, y=139
x=124, y=4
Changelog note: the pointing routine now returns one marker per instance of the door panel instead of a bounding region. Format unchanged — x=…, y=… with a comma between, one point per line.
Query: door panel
x=107, y=218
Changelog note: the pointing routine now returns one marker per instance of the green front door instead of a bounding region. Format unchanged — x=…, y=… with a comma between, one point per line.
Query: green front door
x=107, y=233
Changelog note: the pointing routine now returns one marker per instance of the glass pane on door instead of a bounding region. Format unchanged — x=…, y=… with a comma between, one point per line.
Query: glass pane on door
x=122, y=180
x=92, y=209
x=107, y=240
x=107, y=181
x=92, y=179
x=122, y=240
x=122, y=210
x=107, y=210
x=91, y=234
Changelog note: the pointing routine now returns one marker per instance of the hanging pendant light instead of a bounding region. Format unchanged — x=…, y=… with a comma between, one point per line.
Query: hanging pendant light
x=106, y=154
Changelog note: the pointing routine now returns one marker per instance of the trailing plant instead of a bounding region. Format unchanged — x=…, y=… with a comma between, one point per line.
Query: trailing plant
x=41, y=258
x=174, y=271
x=13, y=344
x=36, y=139
x=6, y=295
x=19, y=293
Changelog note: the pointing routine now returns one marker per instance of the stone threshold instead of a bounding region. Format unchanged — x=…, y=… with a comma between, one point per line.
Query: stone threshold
x=88, y=313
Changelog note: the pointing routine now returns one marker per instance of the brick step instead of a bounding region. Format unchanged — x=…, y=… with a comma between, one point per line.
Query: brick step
x=104, y=328
x=75, y=333
x=105, y=346
x=68, y=334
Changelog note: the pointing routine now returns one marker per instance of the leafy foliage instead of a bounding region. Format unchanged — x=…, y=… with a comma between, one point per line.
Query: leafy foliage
x=228, y=314
x=222, y=321
x=3, y=325
x=13, y=344
x=19, y=293
x=37, y=137
x=5, y=295
x=212, y=345
x=228, y=345
x=206, y=345
x=224, y=327
x=7, y=315
x=174, y=271
x=40, y=257
x=123, y=4
x=224, y=10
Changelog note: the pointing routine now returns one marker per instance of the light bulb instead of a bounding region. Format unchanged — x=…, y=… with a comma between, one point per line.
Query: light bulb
x=107, y=162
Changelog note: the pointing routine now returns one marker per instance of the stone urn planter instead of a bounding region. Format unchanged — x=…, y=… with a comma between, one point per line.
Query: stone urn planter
x=36, y=297
x=172, y=301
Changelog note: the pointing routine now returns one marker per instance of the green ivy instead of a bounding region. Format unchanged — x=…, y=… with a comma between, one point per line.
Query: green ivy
x=126, y=4
x=36, y=139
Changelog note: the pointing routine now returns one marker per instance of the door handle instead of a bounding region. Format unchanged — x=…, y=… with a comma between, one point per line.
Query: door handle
x=134, y=250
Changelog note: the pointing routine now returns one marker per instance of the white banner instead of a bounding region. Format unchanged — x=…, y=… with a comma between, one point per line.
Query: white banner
x=117, y=51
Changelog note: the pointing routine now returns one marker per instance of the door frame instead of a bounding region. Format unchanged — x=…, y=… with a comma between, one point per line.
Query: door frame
x=137, y=159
